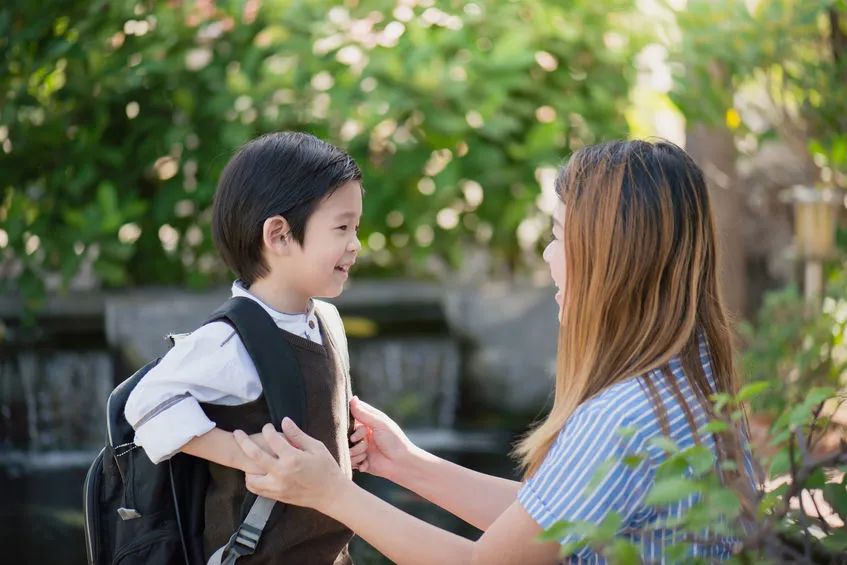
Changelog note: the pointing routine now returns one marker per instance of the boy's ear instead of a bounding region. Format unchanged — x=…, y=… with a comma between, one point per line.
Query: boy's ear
x=276, y=235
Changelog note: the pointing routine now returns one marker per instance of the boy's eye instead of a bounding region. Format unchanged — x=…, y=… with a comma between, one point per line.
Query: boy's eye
x=342, y=228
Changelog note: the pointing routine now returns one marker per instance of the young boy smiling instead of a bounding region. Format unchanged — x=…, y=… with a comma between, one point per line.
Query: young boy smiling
x=285, y=220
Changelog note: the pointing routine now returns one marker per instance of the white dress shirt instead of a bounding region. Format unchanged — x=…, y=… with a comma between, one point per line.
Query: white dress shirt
x=210, y=365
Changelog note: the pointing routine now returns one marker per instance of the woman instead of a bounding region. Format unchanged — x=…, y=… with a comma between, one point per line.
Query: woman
x=643, y=343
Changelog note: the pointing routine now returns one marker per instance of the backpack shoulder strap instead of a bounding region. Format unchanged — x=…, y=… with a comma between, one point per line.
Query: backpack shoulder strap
x=282, y=381
x=272, y=356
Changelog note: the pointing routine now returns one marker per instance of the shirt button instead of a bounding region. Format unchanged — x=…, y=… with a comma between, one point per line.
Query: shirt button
x=312, y=324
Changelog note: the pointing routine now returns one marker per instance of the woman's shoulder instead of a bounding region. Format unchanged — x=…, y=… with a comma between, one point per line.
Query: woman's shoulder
x=630, y=404
x=620, y=401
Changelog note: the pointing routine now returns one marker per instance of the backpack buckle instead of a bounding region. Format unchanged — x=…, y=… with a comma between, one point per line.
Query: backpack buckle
x=244, y=541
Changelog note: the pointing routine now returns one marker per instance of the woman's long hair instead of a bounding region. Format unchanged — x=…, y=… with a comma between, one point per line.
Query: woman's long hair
x=641, y=283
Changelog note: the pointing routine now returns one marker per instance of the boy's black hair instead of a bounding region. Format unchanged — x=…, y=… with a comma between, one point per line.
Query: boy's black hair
x=284, y=173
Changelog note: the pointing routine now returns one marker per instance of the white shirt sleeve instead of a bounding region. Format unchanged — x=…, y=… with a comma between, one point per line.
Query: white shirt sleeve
x=210, y=365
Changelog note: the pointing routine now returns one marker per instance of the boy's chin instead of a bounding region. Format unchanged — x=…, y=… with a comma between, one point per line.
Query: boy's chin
x=332, y=292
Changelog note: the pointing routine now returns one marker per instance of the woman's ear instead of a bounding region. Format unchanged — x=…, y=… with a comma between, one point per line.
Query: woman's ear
x=276, y=235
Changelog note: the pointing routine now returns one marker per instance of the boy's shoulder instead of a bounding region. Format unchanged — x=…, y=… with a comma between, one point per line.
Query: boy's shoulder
x=214, y=338
x=213, y=334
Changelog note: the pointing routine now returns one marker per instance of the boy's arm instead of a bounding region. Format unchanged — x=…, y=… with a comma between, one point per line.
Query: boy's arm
x=219, y=446
x=165, y=409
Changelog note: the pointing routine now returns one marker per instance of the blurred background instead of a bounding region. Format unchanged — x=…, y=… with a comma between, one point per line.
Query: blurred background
x=117, y=117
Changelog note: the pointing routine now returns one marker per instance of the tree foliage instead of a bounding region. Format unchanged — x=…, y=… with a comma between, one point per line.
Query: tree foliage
x=769, y=69
x=118, y=116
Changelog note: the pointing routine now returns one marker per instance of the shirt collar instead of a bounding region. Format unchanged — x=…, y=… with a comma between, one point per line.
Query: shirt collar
x=238, y=289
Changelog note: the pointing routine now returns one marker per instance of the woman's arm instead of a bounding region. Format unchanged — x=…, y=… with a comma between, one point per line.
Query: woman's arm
x=406, y=539
x=474, y=497
x=306, y=475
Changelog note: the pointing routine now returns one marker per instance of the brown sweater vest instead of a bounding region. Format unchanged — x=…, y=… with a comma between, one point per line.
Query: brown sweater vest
x=293, y=535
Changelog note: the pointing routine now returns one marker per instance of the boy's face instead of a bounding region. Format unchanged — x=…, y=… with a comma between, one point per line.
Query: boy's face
x=330, y=244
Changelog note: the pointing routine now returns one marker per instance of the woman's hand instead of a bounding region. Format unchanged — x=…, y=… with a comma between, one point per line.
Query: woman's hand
x=386, y=448
x=358, y=446
x=302, y=473
x=259, y=440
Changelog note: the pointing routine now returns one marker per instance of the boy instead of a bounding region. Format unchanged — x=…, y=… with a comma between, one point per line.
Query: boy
x=285, y=220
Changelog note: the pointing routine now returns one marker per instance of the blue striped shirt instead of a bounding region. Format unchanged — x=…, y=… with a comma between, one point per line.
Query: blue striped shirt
x=559, y=490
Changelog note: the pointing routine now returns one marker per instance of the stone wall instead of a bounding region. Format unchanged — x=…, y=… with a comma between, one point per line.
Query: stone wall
x=499, y=338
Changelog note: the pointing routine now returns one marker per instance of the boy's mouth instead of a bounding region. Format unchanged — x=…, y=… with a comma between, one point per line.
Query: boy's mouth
x=344, y=268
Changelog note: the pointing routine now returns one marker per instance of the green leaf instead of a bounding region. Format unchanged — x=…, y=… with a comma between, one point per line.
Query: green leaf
x=772, y=498
x=626, y=432
x=623, y=552
x=720, y=399
x=818, y=395
x=713, y=427
x=836, y=541
x=674, y=466
x=816, y=480
x=665, y=444
x=780, y=464
x=723, y=502
x=700, y=458
x=671, y=490
x=608, y=527
x=557, y=531
x=677, y=552
x=752, y=390
x=836, y=495
x=633, y=460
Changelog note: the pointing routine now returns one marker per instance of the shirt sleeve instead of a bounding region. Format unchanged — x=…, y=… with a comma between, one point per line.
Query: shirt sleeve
x=210, y=365
x=564, y=487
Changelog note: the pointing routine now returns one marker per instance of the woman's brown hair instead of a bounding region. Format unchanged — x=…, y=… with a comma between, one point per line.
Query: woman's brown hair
x=641, y=283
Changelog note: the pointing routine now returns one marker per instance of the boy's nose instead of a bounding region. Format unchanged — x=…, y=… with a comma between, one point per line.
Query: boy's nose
x=355, y=245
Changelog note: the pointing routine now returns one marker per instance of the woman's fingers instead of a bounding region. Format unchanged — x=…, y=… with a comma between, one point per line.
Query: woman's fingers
x=263, y=485
x=365, y=413
x=253, y=451
x=250, y=482
x=278, y=443
x=299, y=438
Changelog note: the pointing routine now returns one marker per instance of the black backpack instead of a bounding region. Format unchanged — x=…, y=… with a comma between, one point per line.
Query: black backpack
x=139, y=512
